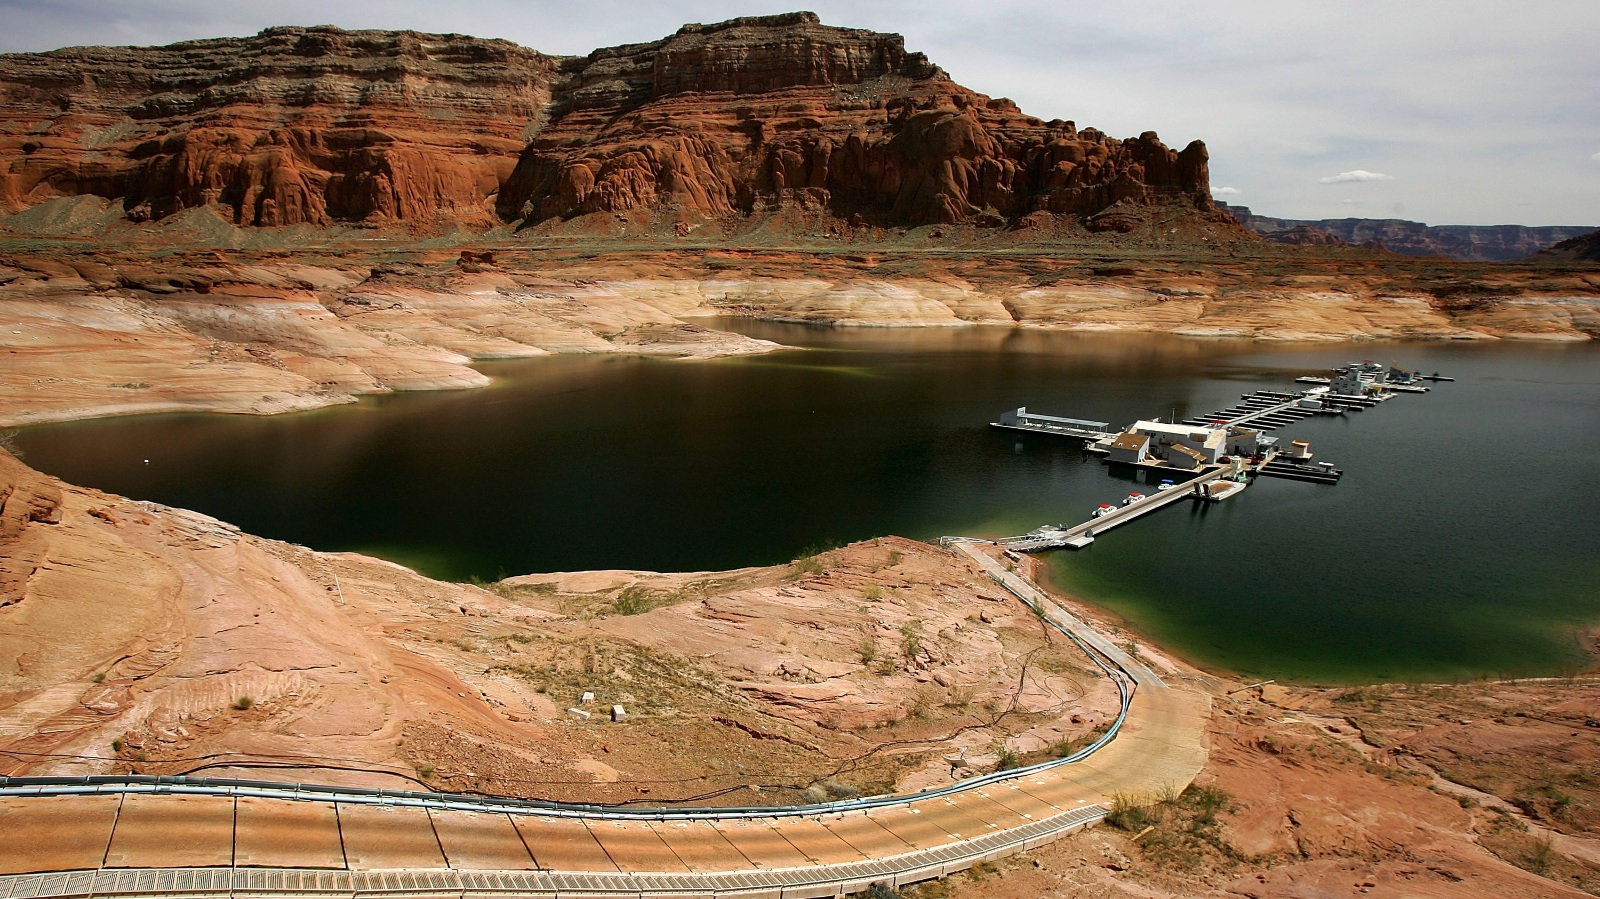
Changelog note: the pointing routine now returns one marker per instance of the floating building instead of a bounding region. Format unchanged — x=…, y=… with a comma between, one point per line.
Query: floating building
x=1209, y=443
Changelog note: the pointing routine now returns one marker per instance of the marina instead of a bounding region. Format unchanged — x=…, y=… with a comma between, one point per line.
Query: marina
x=1217, y=454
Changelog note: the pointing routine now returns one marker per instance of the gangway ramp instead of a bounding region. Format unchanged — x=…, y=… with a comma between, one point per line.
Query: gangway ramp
x=1079, y=536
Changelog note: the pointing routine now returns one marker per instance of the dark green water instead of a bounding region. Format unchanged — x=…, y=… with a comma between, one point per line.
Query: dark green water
x=1462, y=541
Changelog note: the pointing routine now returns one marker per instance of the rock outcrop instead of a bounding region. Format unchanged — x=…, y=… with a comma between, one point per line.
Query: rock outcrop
x=291, y=126
x=1579, y=249
x=313, y=126
x=1467, y=243
x=754, y=114
x=27, y=500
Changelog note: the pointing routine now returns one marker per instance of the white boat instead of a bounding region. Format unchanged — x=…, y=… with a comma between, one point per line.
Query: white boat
x=1105, y=509
x=1166, y=484
x=1312, y=379
x=1132, y=498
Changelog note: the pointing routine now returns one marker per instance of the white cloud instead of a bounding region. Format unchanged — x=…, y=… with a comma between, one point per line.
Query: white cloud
x=1233, y=191
x=1357, y=175
x=1595, y=157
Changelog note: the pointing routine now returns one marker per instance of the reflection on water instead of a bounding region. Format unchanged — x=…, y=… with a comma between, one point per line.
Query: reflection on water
x=1459, y=542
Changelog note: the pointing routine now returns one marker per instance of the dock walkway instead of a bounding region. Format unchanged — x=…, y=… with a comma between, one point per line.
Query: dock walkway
x=1081, y=535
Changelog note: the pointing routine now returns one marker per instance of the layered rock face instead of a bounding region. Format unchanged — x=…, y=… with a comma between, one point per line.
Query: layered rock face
x=292, y=126
x=317, y=125
x=751, y=114
x=27, y=501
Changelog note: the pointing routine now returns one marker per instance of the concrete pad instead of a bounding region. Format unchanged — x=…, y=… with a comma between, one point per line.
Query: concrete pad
x=56, y=834
x=762, y=844
x=1065, y=789
x=1019, y=800
x=386, y=836
x=563, y=844
x=866, y=835
x=955, y=817
x=483, y=841
x=172, y=832
x=994, y=815
x=920, y=829
x=633, y=846
x=816, y=842
x=699, y=846
x=283, y=834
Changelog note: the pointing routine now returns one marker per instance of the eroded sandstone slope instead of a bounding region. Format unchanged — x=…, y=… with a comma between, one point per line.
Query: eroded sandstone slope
x=136, y=637
x=108, y=332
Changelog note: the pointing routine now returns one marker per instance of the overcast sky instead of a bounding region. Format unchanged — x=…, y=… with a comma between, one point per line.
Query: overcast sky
x=1460, y=112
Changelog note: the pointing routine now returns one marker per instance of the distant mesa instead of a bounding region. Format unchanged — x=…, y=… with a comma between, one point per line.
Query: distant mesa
x=1584, y=248
x=1468, y=243
x=774, y=117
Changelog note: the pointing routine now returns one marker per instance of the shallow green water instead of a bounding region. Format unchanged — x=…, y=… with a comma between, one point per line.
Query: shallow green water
x=1462, y=540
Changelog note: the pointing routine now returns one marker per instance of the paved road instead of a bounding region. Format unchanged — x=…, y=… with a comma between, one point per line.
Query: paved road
x=137, y=844
x=1033, y=596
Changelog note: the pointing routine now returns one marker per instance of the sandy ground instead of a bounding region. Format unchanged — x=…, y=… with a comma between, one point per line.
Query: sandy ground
x=91, y=332
x=860, y=669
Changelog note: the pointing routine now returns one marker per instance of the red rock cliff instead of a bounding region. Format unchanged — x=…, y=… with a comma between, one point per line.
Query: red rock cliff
x=317, y=125
x=294, y=125
x=727, y=119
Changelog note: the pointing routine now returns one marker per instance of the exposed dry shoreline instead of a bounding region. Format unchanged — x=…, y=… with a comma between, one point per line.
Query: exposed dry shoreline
x=89, y=334
x=865, y=668
x=870, y=668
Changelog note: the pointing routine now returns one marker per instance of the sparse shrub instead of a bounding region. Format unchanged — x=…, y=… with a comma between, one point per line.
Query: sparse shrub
x=959, y=696
x=637, y=599
x=1207, y=801
x=1008, y=759
x=632, y=600
x=911, y=639
x=116, y=746
x=1128, y=813
x=1537, y=857
x=1368, y=697
x=243, y=703
x=872, y=593
x=867, y=646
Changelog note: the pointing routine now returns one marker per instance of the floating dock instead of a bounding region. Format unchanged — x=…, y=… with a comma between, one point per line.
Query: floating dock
x=1020, y=419
x=1268, y=410
x=1290, y=471
x=1260, y=411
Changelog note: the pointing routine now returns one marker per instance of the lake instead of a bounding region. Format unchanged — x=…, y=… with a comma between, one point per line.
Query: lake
x=1460, y=543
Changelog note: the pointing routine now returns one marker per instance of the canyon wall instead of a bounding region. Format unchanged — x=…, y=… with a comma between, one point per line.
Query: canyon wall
x=291, y=126
x=317, y=126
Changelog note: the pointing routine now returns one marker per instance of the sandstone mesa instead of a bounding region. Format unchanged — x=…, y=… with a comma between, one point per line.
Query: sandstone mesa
x=319, y=125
